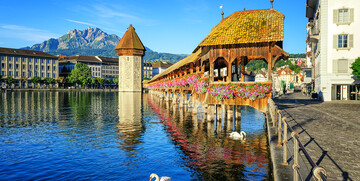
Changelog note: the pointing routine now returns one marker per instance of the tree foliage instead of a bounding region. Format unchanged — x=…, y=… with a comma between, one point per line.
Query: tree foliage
x=100, y=81
x=356, y=68
x=10, y=80
x=49, y=80
x=80, y=74
x=35, y=80
x=116, y=81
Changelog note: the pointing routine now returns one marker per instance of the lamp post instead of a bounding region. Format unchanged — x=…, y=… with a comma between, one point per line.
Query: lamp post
x=271, y=1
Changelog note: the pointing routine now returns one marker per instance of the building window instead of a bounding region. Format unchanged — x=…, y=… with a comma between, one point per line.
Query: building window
x=48, y=61
x=36, y=67
x=48, y=75
x=343, y=16
x=9, y=65
x=3, y=73
x=53, y=61
x=341, y=66
x=42, y=74
x=2, y=58
x=343, y=41
x=54, y=68
x=17, y=66
x=48, y=68
x=3, y=65
x=16, y=58
x=16, y=74
x=29, y=74
x=9, y=73
x=23, y=74
x=23, y=59
x=53, y=75
x=42, y=60
x=42, y=67
x=30, y=67
x=35, y=60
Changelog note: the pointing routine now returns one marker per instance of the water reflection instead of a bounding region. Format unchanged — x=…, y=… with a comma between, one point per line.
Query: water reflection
x=130, y=127
x=212, y=155
x=122, y=136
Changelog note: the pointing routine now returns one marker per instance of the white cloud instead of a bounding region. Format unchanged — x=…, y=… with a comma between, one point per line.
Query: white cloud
x=110, y=13
x=26, y=33
x=80, y=22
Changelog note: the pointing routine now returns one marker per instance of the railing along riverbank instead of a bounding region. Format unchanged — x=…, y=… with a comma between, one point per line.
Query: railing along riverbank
x=280, y=122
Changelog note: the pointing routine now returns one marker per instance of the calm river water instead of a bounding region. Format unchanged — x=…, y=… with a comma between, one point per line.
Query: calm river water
x=122, y=136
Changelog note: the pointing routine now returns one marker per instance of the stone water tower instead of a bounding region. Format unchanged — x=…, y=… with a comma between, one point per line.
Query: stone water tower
x=130, y=51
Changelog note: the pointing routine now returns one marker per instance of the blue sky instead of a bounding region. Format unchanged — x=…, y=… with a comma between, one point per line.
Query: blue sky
x=174, y=26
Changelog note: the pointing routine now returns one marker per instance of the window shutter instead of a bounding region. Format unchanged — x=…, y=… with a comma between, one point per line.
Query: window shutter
x=351, y=42
x=335, y=41
x=351, y=15
x=335, y=16
x=335, y=63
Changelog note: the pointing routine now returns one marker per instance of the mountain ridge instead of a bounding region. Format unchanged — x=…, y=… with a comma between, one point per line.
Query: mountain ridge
x=94, y=42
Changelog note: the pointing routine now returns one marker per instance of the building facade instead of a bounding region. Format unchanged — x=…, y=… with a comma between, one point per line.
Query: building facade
x=159, y=67
x=148, y=70
x=333, y=44
x=23, y=65
x=101, y=67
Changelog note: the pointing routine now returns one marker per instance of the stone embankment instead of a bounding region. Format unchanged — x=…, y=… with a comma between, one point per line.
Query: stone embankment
x=329, y=131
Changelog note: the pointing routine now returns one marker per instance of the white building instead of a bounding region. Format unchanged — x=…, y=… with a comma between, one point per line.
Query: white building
x=261, y=77
x=333, y=45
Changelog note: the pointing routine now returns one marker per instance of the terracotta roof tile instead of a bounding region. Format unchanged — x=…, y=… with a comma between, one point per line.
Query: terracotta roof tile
x=252, y=26
x=130, y=40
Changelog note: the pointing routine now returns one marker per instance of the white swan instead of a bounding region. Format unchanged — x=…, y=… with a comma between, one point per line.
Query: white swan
x=237, y=136
x=165, y=178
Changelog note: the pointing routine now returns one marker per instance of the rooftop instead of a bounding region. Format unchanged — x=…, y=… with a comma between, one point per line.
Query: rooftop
x=130, y=40
x=21, y=52
x=253, y=26
x=161, y=64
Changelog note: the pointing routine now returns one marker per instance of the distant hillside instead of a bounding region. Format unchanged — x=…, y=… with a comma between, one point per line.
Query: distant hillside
x=94, y=42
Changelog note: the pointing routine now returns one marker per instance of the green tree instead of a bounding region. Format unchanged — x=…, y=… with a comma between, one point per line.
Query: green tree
x=116, y=81
x=61, y=81
x=49, y=80
x=10, y=80
x=100, y=81
x=35, y=80
x=93, y=81
x=23, y=79
x=356, y=68
x=80, y=74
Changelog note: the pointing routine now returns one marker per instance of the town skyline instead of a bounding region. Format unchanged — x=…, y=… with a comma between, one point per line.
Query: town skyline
x=183, y=24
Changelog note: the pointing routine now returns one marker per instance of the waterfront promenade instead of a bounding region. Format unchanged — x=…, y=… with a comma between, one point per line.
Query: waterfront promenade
x=330, y=132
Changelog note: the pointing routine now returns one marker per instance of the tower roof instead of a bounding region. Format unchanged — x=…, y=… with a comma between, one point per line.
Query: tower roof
x=130, y=40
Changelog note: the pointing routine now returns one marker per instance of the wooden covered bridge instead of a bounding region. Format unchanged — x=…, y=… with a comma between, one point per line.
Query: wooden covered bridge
x=214, y=74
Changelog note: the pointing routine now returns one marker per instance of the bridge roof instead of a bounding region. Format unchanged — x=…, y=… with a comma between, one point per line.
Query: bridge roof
x=254, y=26
x=189, y=59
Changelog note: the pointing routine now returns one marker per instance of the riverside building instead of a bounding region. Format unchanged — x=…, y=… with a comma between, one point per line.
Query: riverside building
x=333, y=44
x=23, y=65
x=101, y=67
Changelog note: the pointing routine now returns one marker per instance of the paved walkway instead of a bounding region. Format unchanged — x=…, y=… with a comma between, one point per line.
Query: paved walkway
x=330, y=132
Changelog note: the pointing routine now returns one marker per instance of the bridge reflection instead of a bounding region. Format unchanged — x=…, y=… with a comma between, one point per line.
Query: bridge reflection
x=206, y=149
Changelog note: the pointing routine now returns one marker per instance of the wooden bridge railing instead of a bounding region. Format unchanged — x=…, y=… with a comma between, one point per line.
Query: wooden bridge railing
x=283, y=127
